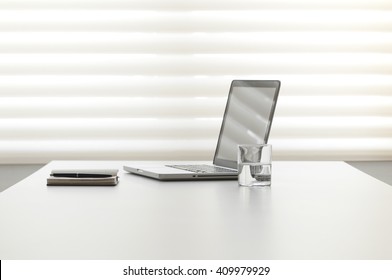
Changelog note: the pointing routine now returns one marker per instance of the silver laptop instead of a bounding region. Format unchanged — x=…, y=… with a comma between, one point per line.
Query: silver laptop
x=247, y=119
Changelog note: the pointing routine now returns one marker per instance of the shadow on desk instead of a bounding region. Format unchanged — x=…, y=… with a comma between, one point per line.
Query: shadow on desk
x=380, y=170
x=11, y=174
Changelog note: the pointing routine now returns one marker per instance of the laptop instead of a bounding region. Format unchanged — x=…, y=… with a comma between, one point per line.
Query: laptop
x=247, y=120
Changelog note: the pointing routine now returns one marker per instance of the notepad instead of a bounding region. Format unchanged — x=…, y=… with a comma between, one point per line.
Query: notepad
x=83, y=177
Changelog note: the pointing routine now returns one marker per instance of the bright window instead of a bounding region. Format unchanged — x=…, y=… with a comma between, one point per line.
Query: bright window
x=123, y=79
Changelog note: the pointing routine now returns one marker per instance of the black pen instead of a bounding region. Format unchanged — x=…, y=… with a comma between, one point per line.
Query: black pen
x=81, y=175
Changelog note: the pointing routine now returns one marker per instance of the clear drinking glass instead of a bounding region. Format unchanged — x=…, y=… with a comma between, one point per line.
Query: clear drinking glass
x=254, y=165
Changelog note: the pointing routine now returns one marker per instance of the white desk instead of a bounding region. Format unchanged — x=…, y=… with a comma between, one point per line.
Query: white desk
x=314, y=210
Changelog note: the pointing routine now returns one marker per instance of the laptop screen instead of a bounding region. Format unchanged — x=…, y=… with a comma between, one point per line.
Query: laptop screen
x=247, y=120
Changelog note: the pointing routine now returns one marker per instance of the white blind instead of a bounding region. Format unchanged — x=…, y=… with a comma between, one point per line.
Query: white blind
x=125, y=79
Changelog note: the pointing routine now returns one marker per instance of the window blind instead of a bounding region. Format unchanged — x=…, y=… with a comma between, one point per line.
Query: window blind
x=117, y=79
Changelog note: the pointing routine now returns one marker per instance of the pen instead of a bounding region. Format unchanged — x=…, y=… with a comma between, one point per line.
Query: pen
x=80, y=175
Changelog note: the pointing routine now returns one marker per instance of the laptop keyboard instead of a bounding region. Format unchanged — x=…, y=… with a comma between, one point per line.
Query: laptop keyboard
x=204, y=168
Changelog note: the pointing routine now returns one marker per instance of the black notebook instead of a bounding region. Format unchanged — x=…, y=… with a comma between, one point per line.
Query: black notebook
x=83, y=177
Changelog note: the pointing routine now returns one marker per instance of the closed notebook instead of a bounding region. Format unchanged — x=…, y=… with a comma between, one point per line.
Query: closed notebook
x=83, y=177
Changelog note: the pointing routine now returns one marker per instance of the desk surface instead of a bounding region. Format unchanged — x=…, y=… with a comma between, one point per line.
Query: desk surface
x=314, y=210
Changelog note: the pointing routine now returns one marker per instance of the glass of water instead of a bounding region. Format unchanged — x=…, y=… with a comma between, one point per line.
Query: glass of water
x=254, y=165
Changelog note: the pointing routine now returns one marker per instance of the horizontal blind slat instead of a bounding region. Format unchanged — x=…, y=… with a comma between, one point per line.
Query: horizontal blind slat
x=36, y=151
x=110, y=107
x=229, y=64
x=186, y=86
x=332, y=127
x=60, y=107
x=184, y=43
x=195, y=21
x=188, y=128
x=194, y=5
x=33, y=151
x=110, y=128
